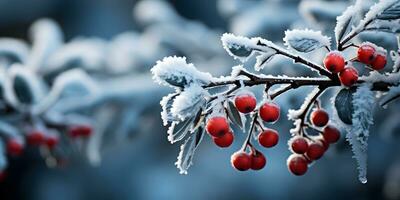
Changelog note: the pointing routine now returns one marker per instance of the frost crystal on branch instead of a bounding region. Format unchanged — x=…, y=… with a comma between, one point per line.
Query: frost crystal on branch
x=189, y=102
x=305, y=41
x=363, y=103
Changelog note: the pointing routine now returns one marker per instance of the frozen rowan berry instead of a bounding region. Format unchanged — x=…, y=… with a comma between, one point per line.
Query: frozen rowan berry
x=80, y=131
x=334, y=62
x=258, y=160
x=366, y=53
x=241, y=161
x=379, y=62
x=331, y=134
x=348, y=76
x=35, y=138
x=315, y=150
x=245, y=103
x=319, y=117
x=217, y=126
x=299, y=145
x=269, y=112
x=297, y=164
x=268, y=138
x=52, y=141
x=14, y=147
x=224, y=141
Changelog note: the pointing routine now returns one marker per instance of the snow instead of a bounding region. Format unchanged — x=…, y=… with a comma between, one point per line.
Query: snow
x=188, y=102
x=374, y=76
x=305, y=40
x=357, y=135
x=346, y=20
x=177, y=72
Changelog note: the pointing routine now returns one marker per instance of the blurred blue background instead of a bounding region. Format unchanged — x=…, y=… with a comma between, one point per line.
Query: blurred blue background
x=141, y=166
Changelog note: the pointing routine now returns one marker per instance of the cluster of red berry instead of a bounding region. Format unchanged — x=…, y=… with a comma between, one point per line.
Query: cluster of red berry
x=307, y=149
x=15, y=146
x=370, y=54
x=218, y=128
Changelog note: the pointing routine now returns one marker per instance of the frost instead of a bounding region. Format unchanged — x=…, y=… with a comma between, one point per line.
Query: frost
x=185, y=157
x=177, y=72
x=374, y=77
x=305, y=41
x=345, y=22
x=263, y=59
x=15, y=50
x=357, y=135
x=188, y=102
x=393, y=94
x=166, y=105
x=295, y=114
x=242, y=48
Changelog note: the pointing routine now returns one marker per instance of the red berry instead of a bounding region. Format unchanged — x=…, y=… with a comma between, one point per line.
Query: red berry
x=14, y=147
x=379, y=62
x=319, y=117
x=348, y=76
x=258, y=160
x=217, y=126
x=334, y=62
x=241, y=161
x=52, y=141
x=268, y=138
x=297, y=164
x=366, y=53
x=269, y=112
x=299, y=145
x=245, y=103
x=224, y=141
x=35, y=138
x=315, y=150
x=324, y=143
x=331, y=134
x=80, y=131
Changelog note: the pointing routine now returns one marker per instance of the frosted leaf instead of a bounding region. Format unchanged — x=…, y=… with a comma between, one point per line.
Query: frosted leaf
x=392, y=26
x=88, y=53
x=357, y=135
x=185, y=157
x=13, y=49
x=188, y=102
x=175, y=71
x=23, y=86
x=242, y=48
x=305, y=41
x=393, y=94
x=47, y=37
x=343, y=104
x=263, y=59
x=345, y=21
x=233, y=114
x=179, y=129
x=166, y=105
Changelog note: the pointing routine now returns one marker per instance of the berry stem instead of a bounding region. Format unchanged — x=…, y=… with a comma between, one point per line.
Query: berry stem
x=247, y=141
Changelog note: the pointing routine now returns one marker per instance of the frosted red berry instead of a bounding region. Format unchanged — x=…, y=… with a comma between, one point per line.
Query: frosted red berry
x=379, y=62
x=366, y=53
x=217, y=126
x=331, y=134
x=52, y=141
x=268, y=138
x=297, y=164
x=299, y=145
x=269, y=112
x=315, y=150
x=319, y=117
x=245, y=103
x=258, y=160
x=348, y=76
x=35, y=138
x=334, y=62
x=80, y=131
x=225, y=140
x=14, y=147
x=241, y=161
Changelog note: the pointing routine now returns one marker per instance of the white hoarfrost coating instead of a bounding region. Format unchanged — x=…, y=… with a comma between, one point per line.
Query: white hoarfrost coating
x=305, y=40
x=176, y=71
x=357, y=134
x=188, y=102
